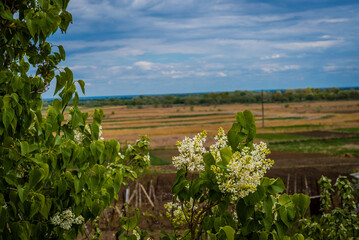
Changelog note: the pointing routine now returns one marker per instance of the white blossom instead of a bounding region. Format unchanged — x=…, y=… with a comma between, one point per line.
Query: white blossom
x=66, y=219
x=244, y=171
x=79, y=137
x=191, y=151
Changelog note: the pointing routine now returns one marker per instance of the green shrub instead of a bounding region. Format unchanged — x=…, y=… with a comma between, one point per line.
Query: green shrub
x=221, y=193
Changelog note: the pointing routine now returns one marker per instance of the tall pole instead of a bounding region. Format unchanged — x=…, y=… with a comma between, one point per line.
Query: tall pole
x=262, y=109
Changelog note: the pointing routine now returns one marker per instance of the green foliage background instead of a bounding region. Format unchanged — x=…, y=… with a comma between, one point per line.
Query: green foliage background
x=44, y=168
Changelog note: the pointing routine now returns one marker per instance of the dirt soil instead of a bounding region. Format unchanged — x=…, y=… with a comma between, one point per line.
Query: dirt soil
x=324, y=134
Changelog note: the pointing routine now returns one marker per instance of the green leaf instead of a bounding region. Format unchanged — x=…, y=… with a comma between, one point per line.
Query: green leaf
x=244, y=212
x=31, y=27
x=77, y=119
x=75, y=101
x=77, y=185
x=273, y=186
x=269, y=216
x=36, y=176
x=301, y=202
x=284, y=199
x=82, y=85
x=229, y=231
x=281, y=228
x=130, y=224
x=234, y=135
x=20, y=192
x=62, y=52
x=6, y=14
x=7, y=116
x=249, y=117
x=61, y=187
x=255, y=197
x=35, y=207
x=69, y=75
x=45, y=208
x=283, y=214
x=241, y=119
x=60, y=83
x=218, y=223
x=24, y=148
x=226, y=155
x=95, y=130
x=166, y=236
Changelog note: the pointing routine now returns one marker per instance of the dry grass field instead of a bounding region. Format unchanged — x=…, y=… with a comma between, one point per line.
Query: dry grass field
x=165, y=126
x=295, y=132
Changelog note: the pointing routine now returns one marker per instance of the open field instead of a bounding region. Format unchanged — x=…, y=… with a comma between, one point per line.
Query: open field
x=307, y=140
x=307, y=128
x=165, y=126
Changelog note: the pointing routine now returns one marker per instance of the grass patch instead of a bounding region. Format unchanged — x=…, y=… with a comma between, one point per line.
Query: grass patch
x=198, y=115
x=346, y=130
x=279, y=136
x=299, y=126
x=282, y=118
x=157, y=161
x=332, y=146
x=327, y=116
x=162, y=126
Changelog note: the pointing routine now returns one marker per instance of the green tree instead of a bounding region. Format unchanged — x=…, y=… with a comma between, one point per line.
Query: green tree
x=56, y=172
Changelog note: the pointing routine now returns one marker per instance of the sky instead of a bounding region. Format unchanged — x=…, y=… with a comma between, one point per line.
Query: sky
x=133, y=47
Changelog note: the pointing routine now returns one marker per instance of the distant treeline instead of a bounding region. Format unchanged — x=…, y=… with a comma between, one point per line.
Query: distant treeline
x=280, y=96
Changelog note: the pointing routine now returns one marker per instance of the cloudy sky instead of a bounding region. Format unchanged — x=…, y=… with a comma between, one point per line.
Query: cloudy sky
x=130, y=47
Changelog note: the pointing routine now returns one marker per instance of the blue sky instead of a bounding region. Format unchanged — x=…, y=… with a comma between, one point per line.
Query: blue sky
x=131, y=47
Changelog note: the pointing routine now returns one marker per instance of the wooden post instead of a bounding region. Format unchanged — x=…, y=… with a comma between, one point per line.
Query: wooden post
x=288, y=179
x=307, y=190
x=295, y=183
x=139, y=195
x=148, y=197
x=127, y=194
x=136, y=196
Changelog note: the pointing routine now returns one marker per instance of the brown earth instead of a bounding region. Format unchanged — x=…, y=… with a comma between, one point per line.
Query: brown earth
x=325, y=134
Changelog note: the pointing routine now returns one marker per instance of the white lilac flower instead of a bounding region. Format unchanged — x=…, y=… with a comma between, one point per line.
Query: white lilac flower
x=191, y=151
x=147, y=158
x=100, y=137
x=79, y=137
x=244, y=171
x=66, y=219
x=221, y=142
x=137, y=235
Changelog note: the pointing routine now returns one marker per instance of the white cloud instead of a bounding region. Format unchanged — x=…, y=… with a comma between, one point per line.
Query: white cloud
x=333, y=20
x=78, y=67
x=144, y=65
x=278, y=68
x=307, y=45
x=274, y=56
x=330, y=68
x=222, y=74
x=325, y=36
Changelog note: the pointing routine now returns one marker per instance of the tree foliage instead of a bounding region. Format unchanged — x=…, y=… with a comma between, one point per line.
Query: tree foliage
x=56, y=170
x=280, y=96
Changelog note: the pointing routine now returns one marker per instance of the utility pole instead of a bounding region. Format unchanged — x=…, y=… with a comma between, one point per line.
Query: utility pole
x=262, y=109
